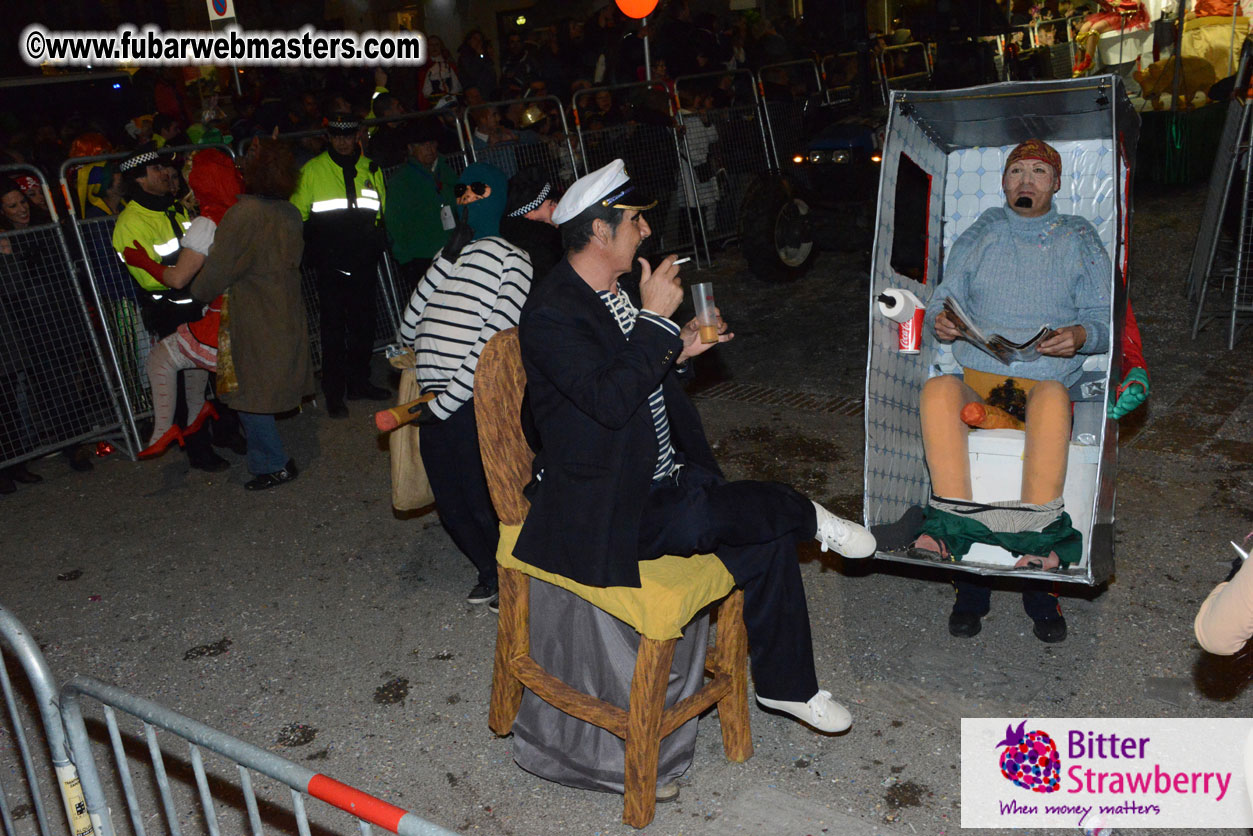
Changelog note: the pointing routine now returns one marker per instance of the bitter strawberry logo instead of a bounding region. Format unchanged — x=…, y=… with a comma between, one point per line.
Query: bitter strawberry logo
x=1030, y=759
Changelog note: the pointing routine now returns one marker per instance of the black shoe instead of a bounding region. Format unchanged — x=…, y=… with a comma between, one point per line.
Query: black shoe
x=272, y=480
x=494, y=604
x=1050, y=630
x=369, y=392
x=964, y=625
x=335, y=408
x=482, y=593
x=208, y=461
x=19, y=473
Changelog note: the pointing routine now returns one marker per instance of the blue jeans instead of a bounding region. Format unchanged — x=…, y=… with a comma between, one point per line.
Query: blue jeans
x=265, y=448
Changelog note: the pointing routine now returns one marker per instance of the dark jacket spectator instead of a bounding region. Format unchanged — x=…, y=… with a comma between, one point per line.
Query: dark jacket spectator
x=477, y=64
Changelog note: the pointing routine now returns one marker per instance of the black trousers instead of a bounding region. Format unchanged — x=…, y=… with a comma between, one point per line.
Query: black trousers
x=753, y=528
x=346, y=304
x=1039, y=598
x=450, y=453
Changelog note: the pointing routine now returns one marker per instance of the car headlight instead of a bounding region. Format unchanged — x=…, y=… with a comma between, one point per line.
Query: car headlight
x=828, y=156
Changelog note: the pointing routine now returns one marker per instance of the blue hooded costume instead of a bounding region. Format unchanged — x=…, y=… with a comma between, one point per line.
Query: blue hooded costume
x=485, y=214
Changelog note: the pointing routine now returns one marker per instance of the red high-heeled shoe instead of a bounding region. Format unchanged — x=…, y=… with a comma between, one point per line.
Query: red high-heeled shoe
x=157, y=447
x=206, y=412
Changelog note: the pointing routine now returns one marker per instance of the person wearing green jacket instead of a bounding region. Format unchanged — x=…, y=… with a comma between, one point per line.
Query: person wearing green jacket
x=417, y=195
x=341, y=198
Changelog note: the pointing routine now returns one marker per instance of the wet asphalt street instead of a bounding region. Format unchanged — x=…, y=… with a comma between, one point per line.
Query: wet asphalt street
x=311, y=621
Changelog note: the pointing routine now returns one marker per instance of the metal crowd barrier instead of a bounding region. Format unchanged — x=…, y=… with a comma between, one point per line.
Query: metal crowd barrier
x=37, y=761
x=784, y=110
x=841, y=76
x=904, y=66
x=724, y=148
x=1061, y=51
x=56, y=388
x=649, y=145
x=554, y=154
x=217, y=761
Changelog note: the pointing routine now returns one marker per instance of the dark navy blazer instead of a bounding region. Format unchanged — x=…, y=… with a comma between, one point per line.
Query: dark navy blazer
x=588, y=388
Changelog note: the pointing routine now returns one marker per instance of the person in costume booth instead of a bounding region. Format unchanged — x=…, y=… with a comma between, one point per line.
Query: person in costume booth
x=1016, y=267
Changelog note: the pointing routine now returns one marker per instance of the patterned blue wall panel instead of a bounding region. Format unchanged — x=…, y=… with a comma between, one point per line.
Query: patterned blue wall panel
x=895, y=470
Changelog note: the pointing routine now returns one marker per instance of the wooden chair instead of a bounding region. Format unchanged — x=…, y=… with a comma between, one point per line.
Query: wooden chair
x=498, y=389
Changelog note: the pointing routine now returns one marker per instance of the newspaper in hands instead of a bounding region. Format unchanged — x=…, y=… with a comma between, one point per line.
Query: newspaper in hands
x=996, y=345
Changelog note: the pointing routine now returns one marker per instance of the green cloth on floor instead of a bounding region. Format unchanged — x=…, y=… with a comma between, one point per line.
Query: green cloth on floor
x=959, y=533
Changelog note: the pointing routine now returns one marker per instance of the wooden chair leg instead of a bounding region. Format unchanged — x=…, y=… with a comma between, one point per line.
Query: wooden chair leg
x=643, y=738
x=513, y=633
x=731, y=652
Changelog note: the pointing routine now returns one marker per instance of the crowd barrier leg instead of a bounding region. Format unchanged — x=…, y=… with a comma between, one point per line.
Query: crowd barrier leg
x=18, y=640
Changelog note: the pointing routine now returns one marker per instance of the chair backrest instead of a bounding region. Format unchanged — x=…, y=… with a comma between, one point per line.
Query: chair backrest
x=499, y=384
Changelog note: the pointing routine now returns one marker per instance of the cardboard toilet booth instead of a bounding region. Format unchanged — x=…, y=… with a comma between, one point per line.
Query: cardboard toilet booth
x=943, y=156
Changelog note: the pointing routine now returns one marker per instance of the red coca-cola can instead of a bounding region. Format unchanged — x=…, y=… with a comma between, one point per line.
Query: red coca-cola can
x=910, y=332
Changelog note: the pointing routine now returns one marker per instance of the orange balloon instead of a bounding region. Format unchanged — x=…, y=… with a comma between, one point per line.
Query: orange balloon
x=636, y=8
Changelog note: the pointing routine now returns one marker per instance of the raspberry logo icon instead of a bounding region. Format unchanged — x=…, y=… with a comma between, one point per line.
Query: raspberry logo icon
x=1030, y=759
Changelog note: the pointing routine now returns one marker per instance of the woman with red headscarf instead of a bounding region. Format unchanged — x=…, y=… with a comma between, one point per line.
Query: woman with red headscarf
x=217, y=185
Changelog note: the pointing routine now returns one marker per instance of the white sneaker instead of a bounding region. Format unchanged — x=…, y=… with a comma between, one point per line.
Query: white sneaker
x=821, y=712
x=842, y=536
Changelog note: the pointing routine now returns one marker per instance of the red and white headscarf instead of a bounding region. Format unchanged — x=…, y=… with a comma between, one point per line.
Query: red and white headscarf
x=1037, y=149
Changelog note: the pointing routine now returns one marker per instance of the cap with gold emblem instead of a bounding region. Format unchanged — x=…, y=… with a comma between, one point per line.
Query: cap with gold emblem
x=610, y=186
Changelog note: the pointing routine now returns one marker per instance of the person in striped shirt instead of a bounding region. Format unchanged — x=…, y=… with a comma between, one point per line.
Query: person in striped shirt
x=475, y=287
x=625, y=473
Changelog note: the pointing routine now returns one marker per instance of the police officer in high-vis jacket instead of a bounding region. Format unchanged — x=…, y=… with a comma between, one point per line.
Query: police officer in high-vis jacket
x=340, y=197
x=155, y=221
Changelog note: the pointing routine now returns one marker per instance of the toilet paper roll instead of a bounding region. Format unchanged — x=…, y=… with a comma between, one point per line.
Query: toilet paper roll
x=898, y=304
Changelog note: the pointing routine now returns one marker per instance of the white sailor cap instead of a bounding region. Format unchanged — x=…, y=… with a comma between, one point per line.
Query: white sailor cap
x=608, y=186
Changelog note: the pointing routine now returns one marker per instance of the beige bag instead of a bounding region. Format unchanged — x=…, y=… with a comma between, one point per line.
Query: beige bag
x=410, y=487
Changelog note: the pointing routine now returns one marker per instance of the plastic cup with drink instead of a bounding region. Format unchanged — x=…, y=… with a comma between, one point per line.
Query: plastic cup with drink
x=706, y=313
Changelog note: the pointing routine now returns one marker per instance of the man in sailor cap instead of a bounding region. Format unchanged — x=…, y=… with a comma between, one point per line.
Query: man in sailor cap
x=624, y=472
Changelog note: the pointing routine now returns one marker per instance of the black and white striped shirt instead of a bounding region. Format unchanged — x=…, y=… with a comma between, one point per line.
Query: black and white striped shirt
x=455, y=310
x=626, y=314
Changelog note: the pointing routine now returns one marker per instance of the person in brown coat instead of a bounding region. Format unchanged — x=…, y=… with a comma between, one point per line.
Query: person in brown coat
x=256, y=256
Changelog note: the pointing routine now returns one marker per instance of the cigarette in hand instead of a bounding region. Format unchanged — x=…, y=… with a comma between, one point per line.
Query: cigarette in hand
x=1243, y=554
x=683, y=260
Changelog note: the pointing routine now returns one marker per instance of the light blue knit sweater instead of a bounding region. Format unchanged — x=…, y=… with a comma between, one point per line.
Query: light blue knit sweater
x=1013, y=274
